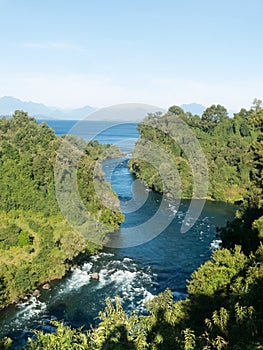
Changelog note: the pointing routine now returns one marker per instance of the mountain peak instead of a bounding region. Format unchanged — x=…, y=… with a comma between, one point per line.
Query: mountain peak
x=122, y=112
x=9, y=104
x=194, y=108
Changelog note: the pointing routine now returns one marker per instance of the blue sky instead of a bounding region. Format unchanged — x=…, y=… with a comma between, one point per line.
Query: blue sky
x=70, y=53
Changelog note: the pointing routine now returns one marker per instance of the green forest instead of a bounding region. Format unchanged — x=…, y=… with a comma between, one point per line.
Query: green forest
x=224, y=309
x=37, y=244
x=225, y=142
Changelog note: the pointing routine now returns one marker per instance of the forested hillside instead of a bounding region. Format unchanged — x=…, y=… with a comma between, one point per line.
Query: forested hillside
x=225, y=142
x=247, y=229
x=224, y=309
x=36, y=243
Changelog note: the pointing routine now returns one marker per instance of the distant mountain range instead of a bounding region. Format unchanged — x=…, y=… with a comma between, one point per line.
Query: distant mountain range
x=9, y=104
x=194, y=108
x=124, y=112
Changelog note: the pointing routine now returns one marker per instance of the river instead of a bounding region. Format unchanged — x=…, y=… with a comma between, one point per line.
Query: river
x=135, y=273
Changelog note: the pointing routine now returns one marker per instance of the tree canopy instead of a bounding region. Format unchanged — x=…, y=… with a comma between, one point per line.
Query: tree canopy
x=36, y=242
x=224, y=307
x=225, y=142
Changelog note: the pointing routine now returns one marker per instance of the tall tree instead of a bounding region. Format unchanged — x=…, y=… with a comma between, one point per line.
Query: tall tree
x=257, y=104
x=215, y=114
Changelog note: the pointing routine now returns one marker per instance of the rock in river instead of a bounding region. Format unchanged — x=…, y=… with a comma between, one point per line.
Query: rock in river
x=46, y=286
x=95, y=276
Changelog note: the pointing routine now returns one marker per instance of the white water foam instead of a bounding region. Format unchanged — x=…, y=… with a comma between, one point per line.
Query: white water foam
x=216, y=244
x=128, y=156
x=100, y=255
x=173, y=208
x=121, y=276
x=127, y=260
x=32, y=308
x=79, y=278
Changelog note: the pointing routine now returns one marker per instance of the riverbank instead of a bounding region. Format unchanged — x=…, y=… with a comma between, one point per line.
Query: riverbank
x=70, y=266
x=38, y=242
x=135, y=273
x=233, y=195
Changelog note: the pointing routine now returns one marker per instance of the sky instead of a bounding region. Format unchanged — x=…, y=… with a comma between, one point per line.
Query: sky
x=71, y=53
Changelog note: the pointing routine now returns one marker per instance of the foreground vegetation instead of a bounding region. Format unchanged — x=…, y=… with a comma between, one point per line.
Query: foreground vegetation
x=36, y=243
x=224, y=309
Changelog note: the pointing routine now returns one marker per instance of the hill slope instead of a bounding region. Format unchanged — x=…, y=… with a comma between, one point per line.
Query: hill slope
x=36, y=242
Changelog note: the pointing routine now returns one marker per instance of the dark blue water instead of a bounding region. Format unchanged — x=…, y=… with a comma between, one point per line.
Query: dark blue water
x=61, y=127
x=122, y=134
x=135, y=273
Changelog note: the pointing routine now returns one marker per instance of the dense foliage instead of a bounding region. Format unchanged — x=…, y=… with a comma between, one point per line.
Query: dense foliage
x=36, y=242
x=247, y=228
x=225, y=142
x=224, y=309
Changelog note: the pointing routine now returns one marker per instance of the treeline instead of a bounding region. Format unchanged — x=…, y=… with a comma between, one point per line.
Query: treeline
x=247, y=229
x=37, y=244
x=233, y=148
x=224, y=309
x=226, y=143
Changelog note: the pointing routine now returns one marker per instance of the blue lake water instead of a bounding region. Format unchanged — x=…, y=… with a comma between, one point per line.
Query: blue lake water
x=122, y=134
x=135, y=273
